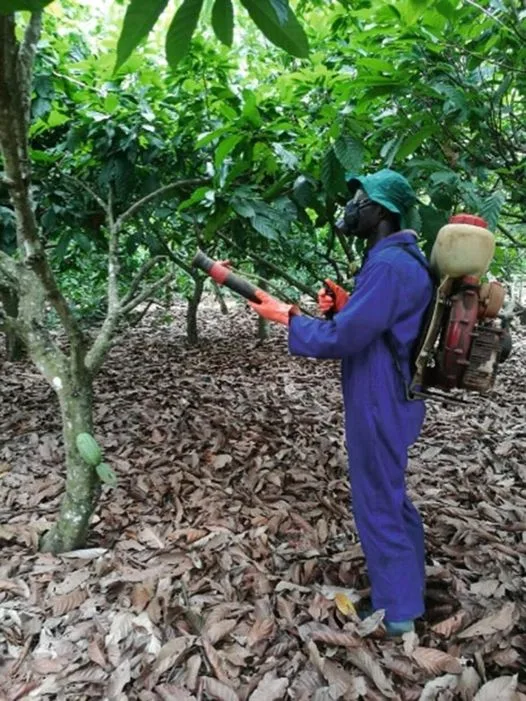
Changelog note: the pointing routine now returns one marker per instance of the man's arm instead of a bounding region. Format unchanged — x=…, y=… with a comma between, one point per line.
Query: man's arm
x=372, y=310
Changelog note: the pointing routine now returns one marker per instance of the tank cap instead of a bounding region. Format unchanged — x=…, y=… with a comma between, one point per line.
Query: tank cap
x=468, y=219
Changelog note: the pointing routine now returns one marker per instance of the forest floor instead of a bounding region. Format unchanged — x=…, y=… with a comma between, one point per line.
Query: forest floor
x=224, y=564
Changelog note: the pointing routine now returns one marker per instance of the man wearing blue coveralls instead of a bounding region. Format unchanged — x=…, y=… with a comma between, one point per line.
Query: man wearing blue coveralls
x=380, y=320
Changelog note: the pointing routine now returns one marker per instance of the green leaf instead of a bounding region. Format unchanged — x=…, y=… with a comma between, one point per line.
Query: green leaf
x=197, y=196
x=181, y=30
x=138, y=22
x=491, y=207
x=106, y=474
x=289, y=36
x=433, y=220
x=390, y=149
x=211, y=136
x=111, y=103
x=332, y=174
x=264, y=227
x=281, y=8
x=243, y=208
x=56, y=118
x=412, y=142
x=223, y=21
x=304, y=192
x=8, y=6
x=349, y=152
x=226, y=147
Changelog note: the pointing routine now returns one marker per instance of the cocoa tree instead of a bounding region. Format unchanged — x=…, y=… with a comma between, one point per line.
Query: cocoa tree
x=71, y=370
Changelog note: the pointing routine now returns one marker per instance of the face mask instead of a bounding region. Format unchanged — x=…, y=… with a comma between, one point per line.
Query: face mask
x=351, y=217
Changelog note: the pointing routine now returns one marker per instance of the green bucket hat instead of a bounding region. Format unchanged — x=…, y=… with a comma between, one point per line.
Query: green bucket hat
x=386, y=187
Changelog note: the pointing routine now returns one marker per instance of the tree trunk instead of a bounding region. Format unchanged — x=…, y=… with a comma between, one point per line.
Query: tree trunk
x=15, y=349
x=82, y=484
x=220, y=298
x=192, y=335
x=263, y=328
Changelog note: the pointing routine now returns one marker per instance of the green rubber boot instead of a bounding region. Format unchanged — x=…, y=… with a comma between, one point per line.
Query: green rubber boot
x=395, y=629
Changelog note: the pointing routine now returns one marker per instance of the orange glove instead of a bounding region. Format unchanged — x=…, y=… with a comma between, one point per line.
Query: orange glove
x=273, y=309
x=332, y=297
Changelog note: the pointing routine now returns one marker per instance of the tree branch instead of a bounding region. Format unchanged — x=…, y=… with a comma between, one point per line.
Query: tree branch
x=15, y=92
x=95, y=355
x=510, y=236
x=147, y=292
x=26, y=59
x=144, y=270
x=177, y=185
x=88, y=189
x=8, y=272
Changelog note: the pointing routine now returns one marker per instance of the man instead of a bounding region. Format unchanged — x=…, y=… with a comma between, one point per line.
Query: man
x=373, y=332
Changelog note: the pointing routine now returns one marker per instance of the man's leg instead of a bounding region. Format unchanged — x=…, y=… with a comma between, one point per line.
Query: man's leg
x=394, y=561
x=415, y=528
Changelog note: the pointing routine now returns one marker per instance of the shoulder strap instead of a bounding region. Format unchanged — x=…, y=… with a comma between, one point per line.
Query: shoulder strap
x=388, y=336
x=409, y=248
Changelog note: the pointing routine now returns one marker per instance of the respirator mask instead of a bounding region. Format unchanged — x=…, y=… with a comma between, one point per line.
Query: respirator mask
x=348, y=225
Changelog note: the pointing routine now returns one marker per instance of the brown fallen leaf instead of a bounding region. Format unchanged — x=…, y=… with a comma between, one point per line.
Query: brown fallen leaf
x=270, y=688
x=118, y=680
x=15, y=586
x=68, y=602
x=171, y=653
x=501, y=689
x=401, y=667
x=370, y=624
x=263, y=629
x=96, y=654
x=433, y=690
x=142, y=594
x=450, y=626
x=436, y=661
x=365, y=662
x=468, y=684
x=218, y=690
x=319, y=632
x=171, y=692
x=149, y=537
x=48, y=665
x=501, y=620
x=219, y=630
x=221, y=461
x=216, y=661
x=510, y=658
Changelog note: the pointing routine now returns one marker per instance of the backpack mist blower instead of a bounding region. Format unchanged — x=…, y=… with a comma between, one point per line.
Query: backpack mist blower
x=465, y=335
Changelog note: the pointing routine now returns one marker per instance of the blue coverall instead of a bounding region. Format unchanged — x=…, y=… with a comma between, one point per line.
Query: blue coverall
x=392, y=293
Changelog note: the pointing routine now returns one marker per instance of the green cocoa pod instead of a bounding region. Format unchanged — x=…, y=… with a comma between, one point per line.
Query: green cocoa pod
x=106, y=474
x=89, y=449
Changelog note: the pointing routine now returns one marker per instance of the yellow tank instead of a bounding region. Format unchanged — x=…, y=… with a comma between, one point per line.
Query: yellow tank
x=463, y=247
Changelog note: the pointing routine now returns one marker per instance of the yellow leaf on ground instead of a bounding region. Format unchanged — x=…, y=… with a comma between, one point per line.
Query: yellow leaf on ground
x=344, y=605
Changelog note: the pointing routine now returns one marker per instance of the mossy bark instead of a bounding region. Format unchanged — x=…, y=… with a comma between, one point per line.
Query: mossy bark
x=192, y=334
x=263, y=326
x=82, y=484
x=15, y=348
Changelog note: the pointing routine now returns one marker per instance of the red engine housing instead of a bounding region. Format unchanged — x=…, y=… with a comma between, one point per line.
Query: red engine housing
x=470, y=338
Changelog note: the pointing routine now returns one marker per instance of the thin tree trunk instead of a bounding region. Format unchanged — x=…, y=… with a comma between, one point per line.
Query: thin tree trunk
x=15, y=349
x=82, y=484
x=220, y=298
x=192, y=335
x=263, y=326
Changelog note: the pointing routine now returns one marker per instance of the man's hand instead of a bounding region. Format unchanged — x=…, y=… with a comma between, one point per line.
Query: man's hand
x=332, y=297
x=273, y=309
